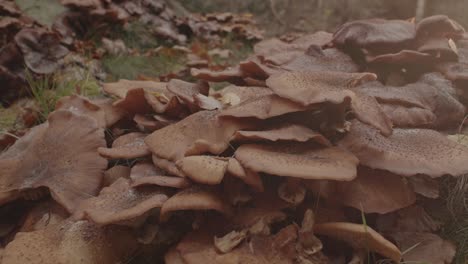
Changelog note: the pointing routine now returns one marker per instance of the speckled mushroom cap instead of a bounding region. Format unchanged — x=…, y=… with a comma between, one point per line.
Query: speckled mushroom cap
x=378, y=34
x=407, y=151
x=120, y=203
x=359, y=237
x=195, y=198
x=430, y=101
x=72, y=171
x=315, y=87
x=198, y=133
x=298, y=160
x=128, y=146
x=71, y=242
x=389, y=192
x=204, y=169
x=82, y=106
x=264, y=107
x=289, y=132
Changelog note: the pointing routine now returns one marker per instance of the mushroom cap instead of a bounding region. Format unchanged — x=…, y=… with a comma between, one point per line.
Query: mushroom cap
x=312, y=87
x=113, y=174
x=233, y=75
x=406, y=152
x=403, y=57
x=389, y=192
x=299, y=160
x=411, y=219
x=195, y=198
x=41, y=49
x=249, y=177
x=438, y=25
x=375, y=33
x=137, y=96
x=244, y=93
x=60, y=156
x=112, y=113
x=408, y=116
x=263, y=107
x=203, y=169
x=167, y=165
x=165, y=181
x=82, y=106
x=318, y=59
x=120, y=203
x=196, y=134
x=146, y=124
x=186, y=91
x=429, y=247
x=425, y=186
x=359, y=237
x=71, y=242
x=145, y=169
x=309, y=88
x=289, y=132
x=197, y=247
x=128, y=146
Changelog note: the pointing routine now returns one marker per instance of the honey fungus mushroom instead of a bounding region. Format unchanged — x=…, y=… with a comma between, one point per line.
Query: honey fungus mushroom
x=51, y=156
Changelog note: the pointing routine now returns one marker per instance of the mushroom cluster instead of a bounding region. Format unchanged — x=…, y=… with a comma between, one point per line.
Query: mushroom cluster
x=318, y=152
x=155, y=13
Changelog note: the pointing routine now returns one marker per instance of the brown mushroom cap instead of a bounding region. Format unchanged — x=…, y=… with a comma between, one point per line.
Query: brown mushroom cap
x=244, y=93
x=145, y=173
x=249, y=177
x=375, y=33
x=299, y=160
x=186, y=91
x=112, y=113
x=318, y=59
x=407, y=151
x=41, y=49
x=196, y=134
x=167, y=165
x=404, y=57
x=71, y=242
x=145, y=169
x=389, y=192
x=425, y=247
x=113, y=174
x=233, y=75
x=359, y=237
x=133, y=94
x=438, y=25
x=195, y=198
x=412, y=101
x=61, y=156
x=408, y=116
x=120, y=203
x=263, y=107
x=128, y=146
x=289, y=132
x=197, y=247
x=165, y=181
x=82, y=106
x=309, y=87
x=203, y=169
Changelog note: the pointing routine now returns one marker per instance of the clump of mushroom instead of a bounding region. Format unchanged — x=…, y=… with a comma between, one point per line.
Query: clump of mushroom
x=316, y=130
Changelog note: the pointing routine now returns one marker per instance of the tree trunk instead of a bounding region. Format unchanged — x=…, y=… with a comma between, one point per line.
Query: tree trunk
x=420, y=7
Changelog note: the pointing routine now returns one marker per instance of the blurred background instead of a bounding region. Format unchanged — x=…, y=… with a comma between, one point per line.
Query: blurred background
x=280, y=16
